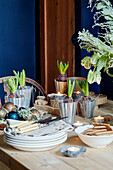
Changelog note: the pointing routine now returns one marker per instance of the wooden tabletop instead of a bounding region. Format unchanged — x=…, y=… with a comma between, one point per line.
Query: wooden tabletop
x=92, y=159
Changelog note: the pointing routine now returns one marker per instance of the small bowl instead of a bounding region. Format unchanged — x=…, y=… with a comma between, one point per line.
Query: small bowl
x=65, y=151
x=93, y=141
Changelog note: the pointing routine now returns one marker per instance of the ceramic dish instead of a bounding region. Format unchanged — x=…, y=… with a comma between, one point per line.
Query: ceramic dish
x=36, y=147
x=46, y=137
x=93, y=141
x=37, y=142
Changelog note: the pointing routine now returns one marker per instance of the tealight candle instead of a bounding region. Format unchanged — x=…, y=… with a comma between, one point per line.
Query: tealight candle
x=59, y=94
x=99, y=119
x=56, y=95
x=77, y=124
x=77, y=94
x=73, y=149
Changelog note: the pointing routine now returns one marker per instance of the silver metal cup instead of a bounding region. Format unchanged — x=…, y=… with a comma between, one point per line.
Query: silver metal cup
x=68, y=110
x=26, y=93
x=87, y=108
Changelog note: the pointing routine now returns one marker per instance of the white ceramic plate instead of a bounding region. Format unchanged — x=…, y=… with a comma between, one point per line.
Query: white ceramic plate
x=46, y=137
x=36, y=148
x=93, y=141
x=33, y=142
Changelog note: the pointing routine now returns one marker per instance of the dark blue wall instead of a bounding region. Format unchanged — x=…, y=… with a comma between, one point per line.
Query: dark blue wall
x=87, y=23
x=17, y=37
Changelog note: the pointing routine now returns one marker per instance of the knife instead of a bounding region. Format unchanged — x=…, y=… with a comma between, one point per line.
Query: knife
x=50, y=120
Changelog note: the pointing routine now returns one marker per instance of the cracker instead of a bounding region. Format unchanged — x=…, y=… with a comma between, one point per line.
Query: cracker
x=104, y=133
x=108, y=127
x=95, y=131
x=99, y=127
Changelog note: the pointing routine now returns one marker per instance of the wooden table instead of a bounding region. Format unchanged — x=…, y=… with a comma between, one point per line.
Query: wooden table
x=93, y=159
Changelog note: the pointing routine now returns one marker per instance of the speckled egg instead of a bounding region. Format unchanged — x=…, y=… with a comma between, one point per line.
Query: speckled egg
x=3, y=113
x=9, y=106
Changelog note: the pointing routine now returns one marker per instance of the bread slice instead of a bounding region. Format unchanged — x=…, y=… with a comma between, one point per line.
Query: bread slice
x=108, y=127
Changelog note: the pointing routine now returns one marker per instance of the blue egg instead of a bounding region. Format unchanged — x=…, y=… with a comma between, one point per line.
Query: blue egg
x=12, y=115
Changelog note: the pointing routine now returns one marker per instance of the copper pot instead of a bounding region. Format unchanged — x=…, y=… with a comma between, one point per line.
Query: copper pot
x=61, y=86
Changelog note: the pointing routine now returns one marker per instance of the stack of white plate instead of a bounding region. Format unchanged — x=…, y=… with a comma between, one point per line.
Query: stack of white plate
x=33, y=142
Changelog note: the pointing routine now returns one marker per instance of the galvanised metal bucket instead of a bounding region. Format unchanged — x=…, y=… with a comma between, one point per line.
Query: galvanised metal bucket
x=16, y=101
x=87, y=108
x=26, y=93
x=69, y=110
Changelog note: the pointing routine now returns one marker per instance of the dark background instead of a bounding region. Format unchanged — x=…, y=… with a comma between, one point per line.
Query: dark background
x=20, y=41
x=84, y=19
x=17, y=38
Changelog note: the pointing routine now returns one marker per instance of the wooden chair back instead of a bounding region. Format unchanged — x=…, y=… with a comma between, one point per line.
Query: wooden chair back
x=30, y=81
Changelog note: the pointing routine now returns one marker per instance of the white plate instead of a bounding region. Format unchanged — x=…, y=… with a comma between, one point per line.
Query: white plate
x=37, y=148
x=25, y=137
x=36, y=145
x=33, y=142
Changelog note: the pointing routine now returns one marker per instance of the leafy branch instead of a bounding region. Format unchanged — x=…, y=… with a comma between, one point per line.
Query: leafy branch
x=102, y=57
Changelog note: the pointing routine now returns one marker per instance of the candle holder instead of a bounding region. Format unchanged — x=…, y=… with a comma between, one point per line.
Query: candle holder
x=55, y=98
x=78, y=124
x=77, y=95
x=73, y=151
x=99, y=119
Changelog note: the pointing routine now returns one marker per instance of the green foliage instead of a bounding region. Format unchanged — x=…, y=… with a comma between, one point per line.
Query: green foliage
x=21, y=77
x=102, y=57
x=62, y=67
x=12, y=84
x=83, y=86
x=71, y=85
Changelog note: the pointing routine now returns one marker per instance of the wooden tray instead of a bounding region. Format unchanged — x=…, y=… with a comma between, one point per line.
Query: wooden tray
x=101, y=100
x=51, y=110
